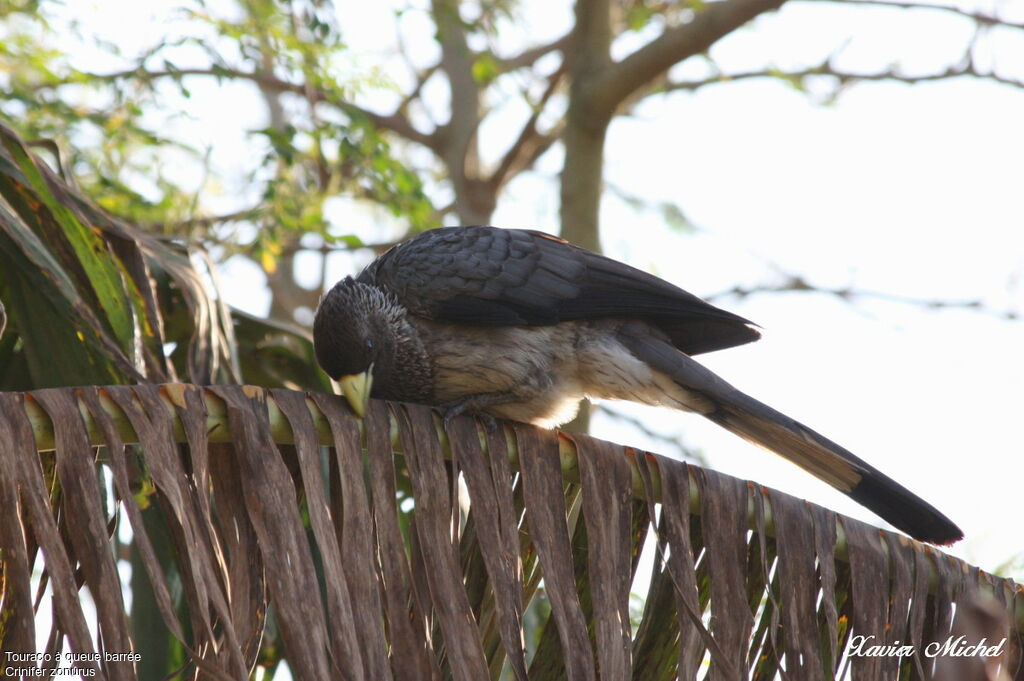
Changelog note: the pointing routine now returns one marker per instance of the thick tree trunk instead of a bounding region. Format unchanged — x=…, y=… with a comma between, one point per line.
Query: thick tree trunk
x=475, y=200
x=586, y=127
x=582, y=177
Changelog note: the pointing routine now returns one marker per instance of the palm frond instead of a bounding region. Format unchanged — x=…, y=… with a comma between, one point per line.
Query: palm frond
x=388, y=548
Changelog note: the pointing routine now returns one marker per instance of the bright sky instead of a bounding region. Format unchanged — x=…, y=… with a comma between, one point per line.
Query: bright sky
x=906, y=190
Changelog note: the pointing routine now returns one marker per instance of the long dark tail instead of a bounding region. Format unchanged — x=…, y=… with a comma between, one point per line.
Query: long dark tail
x=757, y=422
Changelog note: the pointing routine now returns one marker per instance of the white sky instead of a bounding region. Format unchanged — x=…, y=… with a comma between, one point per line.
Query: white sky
x=907, y=190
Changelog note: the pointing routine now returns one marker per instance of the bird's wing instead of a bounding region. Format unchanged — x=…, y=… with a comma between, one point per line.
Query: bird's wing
x=491, y=276
x=773, y=430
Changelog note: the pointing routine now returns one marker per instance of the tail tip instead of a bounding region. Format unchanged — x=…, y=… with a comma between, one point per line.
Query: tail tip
x=906, y=511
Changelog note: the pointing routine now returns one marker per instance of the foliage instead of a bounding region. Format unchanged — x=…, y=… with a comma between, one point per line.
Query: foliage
x=89, y=298
x=125, y=134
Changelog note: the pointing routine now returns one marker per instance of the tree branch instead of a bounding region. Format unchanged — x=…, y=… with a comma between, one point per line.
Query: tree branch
x=979, y=17
x=675, y=44
x=459, y=147
x=395, y=122
x=797, y=284
x=210, y=220
x=844, y=77
x=531, y=143
x=531, y=56
x=377, y=247
x=421, y=80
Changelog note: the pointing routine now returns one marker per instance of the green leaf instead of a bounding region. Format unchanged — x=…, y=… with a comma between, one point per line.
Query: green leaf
x=485, y=69
x=62, y=341
x=638, y=16
x=78, y=247
x=674, y=217
x=277, y=355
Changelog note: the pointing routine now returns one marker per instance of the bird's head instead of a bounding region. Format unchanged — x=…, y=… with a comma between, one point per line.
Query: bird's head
x=353, y=338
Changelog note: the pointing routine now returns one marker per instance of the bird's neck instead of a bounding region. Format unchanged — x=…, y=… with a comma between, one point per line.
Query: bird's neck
x=407, y=375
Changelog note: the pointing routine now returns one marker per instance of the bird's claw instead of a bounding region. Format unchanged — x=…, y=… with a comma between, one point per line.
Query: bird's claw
x=490, y=423
x=452, y=409
x=449, y=412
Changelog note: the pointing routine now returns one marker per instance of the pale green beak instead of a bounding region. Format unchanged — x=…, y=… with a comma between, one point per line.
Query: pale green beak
x=356, y=388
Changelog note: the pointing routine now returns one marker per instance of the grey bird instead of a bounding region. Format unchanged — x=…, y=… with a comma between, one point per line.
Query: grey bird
x=522, y=325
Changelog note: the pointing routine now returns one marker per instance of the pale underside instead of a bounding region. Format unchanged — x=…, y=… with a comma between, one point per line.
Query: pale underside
x=521, y=370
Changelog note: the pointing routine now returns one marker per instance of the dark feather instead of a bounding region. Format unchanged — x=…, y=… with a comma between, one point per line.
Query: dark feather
x=758, y=423
x=491, y=276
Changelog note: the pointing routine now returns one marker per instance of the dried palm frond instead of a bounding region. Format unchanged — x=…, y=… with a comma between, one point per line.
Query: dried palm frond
x=300, y=536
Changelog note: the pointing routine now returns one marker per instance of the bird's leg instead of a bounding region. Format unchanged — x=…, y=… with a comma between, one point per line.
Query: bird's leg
x=490, y=423
x=475, y=405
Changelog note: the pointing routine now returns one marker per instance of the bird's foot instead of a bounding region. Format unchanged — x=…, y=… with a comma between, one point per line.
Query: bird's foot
x=474, y=405
x=449, y=410
x=490, y=423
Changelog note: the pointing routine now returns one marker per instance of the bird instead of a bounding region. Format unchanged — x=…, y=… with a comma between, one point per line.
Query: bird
x=522, y=325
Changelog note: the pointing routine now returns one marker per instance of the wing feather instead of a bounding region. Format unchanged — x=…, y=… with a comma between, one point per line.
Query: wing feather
x=490, y=276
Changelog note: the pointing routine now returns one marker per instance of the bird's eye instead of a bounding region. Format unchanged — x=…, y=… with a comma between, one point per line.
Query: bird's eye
x=368, y=344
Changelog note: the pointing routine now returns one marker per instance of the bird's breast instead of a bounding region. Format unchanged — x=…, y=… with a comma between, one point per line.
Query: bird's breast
x=530, y=372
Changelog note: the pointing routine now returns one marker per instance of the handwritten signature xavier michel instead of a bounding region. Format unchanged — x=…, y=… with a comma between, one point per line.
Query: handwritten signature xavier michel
x=959, y=646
